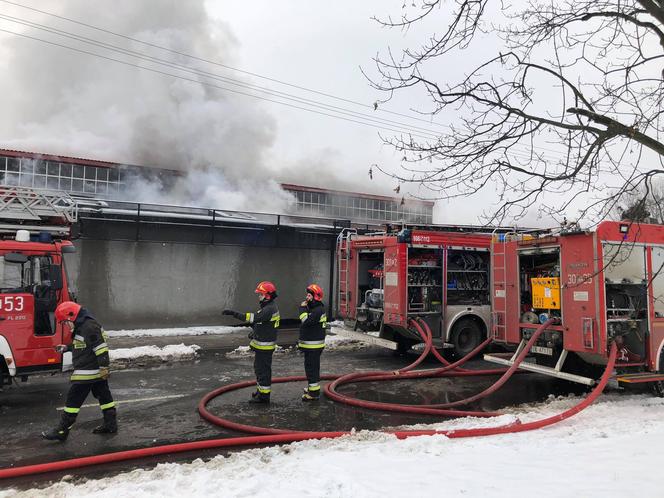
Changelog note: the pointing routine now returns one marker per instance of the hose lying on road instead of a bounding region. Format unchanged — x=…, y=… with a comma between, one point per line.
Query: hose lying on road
x=280, y=436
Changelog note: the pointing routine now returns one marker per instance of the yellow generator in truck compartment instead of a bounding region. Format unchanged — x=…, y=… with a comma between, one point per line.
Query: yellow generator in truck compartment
x=546, y=293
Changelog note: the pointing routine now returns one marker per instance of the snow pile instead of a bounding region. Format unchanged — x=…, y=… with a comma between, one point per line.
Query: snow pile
x=173, y=352
x=208, y=330
x=244, y=351
x=341, y=343
x=610, y=449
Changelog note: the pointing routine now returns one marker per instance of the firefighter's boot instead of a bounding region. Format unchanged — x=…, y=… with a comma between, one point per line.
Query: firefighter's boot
x=110, y=425
x=258, y=397
x=61, y=432
x=57, y=434
x=311, y=395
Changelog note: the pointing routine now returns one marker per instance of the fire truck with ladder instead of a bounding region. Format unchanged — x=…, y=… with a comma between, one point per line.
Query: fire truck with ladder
x=438, y=273
x=599, y=286
x=35, y=226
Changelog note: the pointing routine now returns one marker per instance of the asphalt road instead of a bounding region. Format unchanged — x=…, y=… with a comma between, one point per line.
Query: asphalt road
x=158, y=405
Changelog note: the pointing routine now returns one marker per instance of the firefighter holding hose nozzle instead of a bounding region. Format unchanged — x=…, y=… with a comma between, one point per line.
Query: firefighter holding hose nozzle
x=90, y=359
x=312, y=339
x=264, y=323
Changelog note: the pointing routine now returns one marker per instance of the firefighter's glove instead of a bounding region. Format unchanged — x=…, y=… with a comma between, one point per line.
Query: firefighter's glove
x=60, y=348
x=239, y=316
x=104, y=373
x=251, y=335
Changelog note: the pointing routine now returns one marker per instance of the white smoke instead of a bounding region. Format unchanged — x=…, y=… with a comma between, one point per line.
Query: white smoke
x=61, y=102
x=208, y=188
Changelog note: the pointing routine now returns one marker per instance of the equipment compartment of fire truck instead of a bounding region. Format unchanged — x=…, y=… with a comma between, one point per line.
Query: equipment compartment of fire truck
x=597, y=287
x=440, y=275
x=34, y=224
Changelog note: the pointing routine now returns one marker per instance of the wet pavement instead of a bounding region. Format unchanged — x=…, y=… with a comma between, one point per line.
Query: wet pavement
x=159, y=405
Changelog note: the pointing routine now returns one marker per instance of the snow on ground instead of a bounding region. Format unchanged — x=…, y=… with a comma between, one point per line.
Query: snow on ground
x=611, y=449
x=243, y=351
x=167, y=353
x=332, y=342
x=208, y=330
x=181, y=352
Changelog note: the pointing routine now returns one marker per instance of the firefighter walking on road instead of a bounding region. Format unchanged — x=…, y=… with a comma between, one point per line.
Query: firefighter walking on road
x=264, y=323
x=90, y=360
x=312, y=339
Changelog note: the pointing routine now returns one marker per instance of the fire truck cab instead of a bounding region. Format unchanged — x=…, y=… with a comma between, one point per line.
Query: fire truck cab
x=600, y=286
x=34, y=226
x=439, y=274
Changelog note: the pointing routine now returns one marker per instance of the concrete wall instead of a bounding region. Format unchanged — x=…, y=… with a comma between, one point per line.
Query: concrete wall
x=135, y=284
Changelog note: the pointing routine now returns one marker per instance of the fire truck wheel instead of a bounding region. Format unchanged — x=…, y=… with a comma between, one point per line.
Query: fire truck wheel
x=466, y=336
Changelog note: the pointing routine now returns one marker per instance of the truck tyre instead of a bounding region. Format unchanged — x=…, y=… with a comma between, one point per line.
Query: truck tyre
x=467, y=334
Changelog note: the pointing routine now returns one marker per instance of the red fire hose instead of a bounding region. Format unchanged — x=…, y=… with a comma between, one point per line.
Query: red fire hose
x=330, y=389
x=278, y=436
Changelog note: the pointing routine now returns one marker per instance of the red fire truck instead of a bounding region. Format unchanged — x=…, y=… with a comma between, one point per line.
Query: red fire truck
x=601, y=286
x=440, y=274
x=34, y=226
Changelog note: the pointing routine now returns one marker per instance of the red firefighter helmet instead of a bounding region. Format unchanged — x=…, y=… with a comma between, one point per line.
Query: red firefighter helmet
x=316, y=291
x=67, y=311
x=266, y=289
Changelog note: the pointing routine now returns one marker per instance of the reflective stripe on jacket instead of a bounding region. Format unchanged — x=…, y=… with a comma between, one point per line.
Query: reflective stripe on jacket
x=262, y=345
x=311, y=344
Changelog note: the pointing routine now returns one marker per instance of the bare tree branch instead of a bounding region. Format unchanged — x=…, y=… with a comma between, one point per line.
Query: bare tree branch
x=511, y=134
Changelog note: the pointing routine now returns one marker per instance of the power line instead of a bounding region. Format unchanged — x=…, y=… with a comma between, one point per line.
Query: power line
x=206, y=83
x=74, y=49
x=225, y=66
x=268, y=91
x=385, y=124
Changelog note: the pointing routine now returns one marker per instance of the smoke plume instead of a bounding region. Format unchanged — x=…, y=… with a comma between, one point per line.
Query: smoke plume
x=66, y=103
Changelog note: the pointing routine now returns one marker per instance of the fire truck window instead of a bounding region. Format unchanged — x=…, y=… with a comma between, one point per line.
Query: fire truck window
x=70, y=267
x=624, y=264
x=45, y=295
x=10, y=277
x=658, y=280
x=41, y=270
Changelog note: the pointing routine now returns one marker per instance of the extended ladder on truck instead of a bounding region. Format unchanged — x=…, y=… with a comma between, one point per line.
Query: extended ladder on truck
x=498, y=266
x=36, y=210
x=343, y=269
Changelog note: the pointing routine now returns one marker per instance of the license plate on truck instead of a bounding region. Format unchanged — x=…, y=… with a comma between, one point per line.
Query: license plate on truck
x=542, y=350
